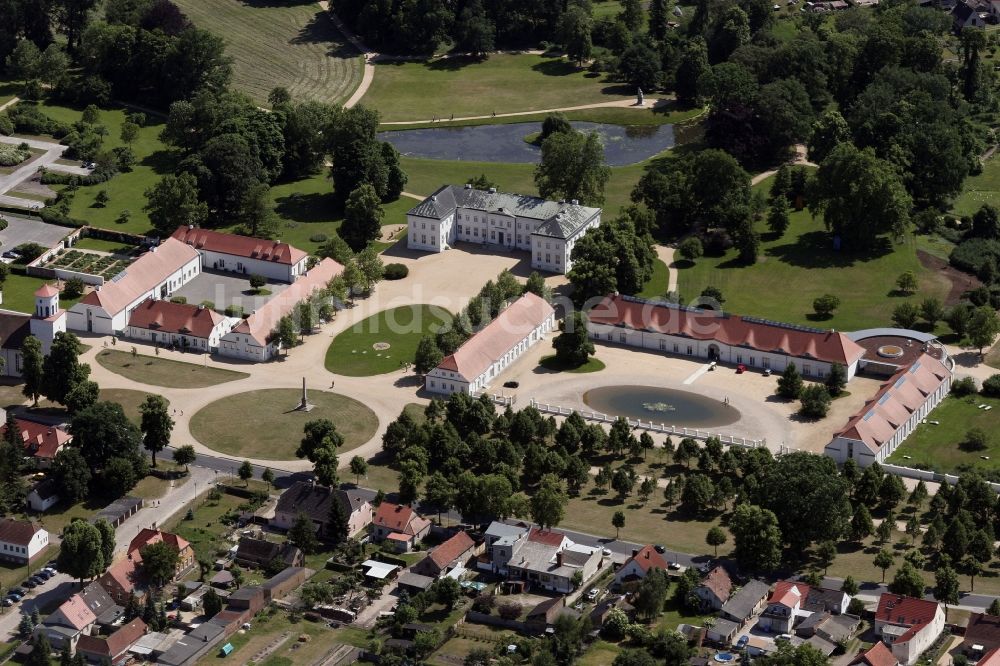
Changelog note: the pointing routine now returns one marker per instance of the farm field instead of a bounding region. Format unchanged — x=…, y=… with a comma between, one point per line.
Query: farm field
x=800, y=266
x=281, y=44
x=467, y=87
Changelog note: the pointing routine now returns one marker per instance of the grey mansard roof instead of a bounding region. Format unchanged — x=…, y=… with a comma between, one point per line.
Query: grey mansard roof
x=559, y=220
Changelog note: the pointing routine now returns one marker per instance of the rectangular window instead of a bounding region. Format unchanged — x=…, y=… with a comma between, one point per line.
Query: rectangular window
x=548, y=258
x=609, y=336
x=676, y=349
x=663, y=345
x=423, y=225
x=739, y=358
x=621, y=338
x=690, y=350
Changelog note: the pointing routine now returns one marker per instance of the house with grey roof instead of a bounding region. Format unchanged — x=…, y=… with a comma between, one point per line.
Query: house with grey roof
x=746, y=602
x=546, y=229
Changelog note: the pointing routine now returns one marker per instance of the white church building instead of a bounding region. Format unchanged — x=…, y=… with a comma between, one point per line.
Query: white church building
x=546, y=229
x=48, y=320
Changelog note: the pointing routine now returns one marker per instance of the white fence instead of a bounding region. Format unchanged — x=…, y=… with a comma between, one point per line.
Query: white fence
x=502, y=400
x=927, y=475
x=660, y=428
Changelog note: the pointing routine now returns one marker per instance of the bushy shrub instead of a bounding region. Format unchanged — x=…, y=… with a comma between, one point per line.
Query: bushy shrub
x=318, y=238
x=29, y=119
x=29, y=252
x=510, y=610
x=6, y=125
x=395, y=271
x=179, y=299
x=484, y=603
x=207, y=304
x=963, y=387
x=12, y=155
x=978, y=256
x=234, y=311
x=991, y=387
x=73, y=288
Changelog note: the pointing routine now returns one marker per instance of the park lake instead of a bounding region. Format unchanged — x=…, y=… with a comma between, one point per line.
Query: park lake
x=623, y=144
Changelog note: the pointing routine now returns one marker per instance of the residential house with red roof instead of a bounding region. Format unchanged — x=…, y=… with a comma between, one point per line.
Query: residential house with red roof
x=109, y=649
x=784, y=606
x=253, y=338
x=878, y=654
x=452, y=554
x=991, y=658
x=156, y=274
x=65, y=626
x=549, y=560
x=243, y=254
x=493, y=348
x=41, y=441
x=907, y=625
x=192, y=327
x=122, y=579
x=147, y=537
x=982, y=635
x=400, y=525
x=636, y=567
x=717, y=336
x=715, y=588
x=889, y=416
x=22, y=541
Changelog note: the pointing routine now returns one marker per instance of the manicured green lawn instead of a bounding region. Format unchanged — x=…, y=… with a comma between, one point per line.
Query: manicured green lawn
x=466, y=87
x=795, y=269
x=281, y=44
x=19, y=294
x=426, y=176
x=552, y=363
x=205, y=532
x=600, y=653
x=164, y=372
x=658, y=283
x=264, y=424
x=936, y=446
x=114, y=247
x=352, y=352
x=8, y=90
x=128, y=399
x=979, y=190
x=307, y=210
x=126, y=190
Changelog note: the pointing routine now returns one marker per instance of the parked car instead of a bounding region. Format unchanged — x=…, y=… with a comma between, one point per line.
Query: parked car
x=592, y=595
x=742, y=643
x=660, y=549
x=20, y=591
x=45, y=575
x=783, y=637
x=8, y=601
x=10, y=254
x=30, y=584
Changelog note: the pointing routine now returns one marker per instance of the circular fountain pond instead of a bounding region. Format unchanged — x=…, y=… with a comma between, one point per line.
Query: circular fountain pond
x=661, y=405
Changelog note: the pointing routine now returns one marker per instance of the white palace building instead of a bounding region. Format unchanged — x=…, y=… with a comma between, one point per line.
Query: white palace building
x=547, y=229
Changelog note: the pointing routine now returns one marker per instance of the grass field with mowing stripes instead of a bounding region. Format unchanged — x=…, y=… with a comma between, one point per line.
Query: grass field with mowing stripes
x=273, y=45
x=502, y=83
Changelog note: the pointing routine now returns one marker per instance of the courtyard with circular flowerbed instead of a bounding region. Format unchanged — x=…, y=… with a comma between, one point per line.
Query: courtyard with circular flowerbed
x=265, y=424
x=383, y=342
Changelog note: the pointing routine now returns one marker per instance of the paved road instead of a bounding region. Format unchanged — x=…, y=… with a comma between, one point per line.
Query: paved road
x=30, y=230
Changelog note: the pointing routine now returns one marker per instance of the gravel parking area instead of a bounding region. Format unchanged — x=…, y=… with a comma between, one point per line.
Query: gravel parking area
x=224, y=289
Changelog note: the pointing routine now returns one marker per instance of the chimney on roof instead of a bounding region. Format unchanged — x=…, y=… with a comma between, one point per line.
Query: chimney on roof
x=647, y=553
x=635, y=552
x=559, y=559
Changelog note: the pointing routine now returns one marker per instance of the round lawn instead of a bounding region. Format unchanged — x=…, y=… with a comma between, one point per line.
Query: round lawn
x=264, y=424
x=353, y=353
x=552, y=363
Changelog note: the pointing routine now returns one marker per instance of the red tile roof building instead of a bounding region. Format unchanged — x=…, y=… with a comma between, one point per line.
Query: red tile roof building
x=637, y=566
x=252, y=339
x=877, y=655
x=109, y=649
x=156, y=274
x=399, y=523
x=715, y=588
x=892, y=413
x=163, y=323
x=41, y=441
x=244, y=254
x=453, y=552
x=907, y=625
x=121, y=579
x=726, y=338
x=22, y=541
x=486, y=354
x=147, y=537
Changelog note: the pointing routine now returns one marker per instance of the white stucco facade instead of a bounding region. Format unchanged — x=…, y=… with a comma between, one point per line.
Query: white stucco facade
x=546, y=229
